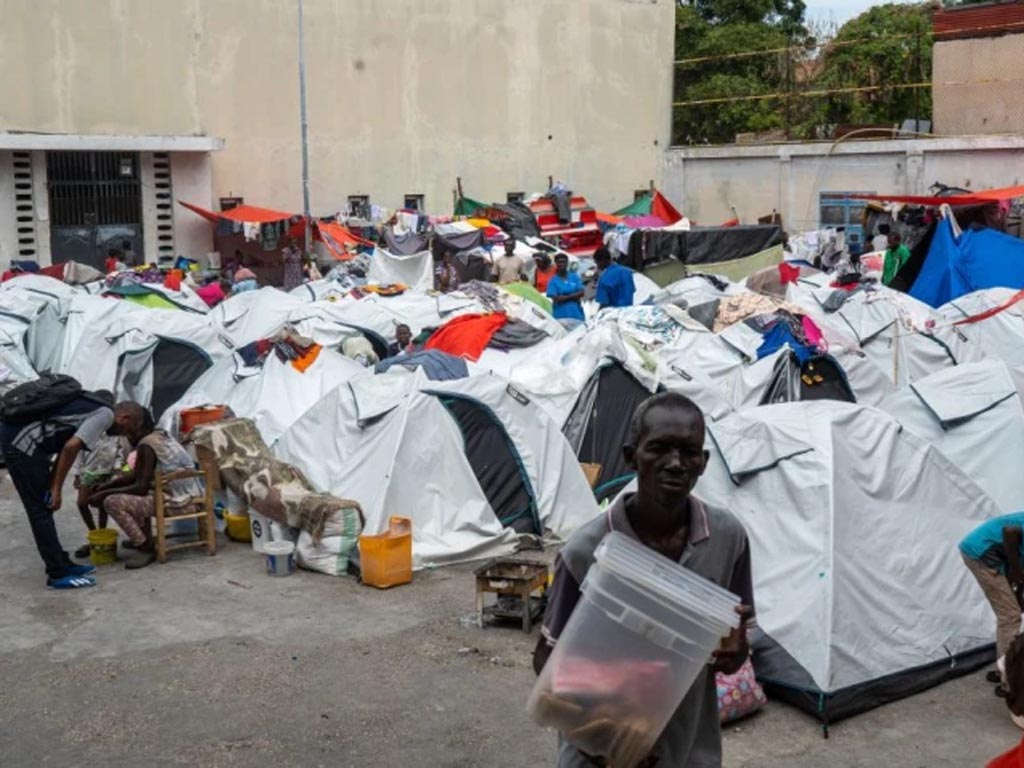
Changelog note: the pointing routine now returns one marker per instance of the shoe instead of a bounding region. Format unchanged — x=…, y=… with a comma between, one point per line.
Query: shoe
x=71, y=582
x=993, y=676
x=127, y=544
x=140, y=559
x=80, y=570
x=1000, y=691
x=83, y=551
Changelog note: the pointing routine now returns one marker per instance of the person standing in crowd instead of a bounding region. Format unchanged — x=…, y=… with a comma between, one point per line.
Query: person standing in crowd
x=565, y=289
x=993, y=553
x=665, y=446
x=615, y=285
x=544, y=272
x=402, y=342
x=291, y=257
x=446, y=277
x=896, y=255
x=509, y=268
x=64, y=431
x=128, y=498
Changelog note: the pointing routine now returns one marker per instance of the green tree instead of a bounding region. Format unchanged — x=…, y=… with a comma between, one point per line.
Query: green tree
x=712, y=80
x=886, y=52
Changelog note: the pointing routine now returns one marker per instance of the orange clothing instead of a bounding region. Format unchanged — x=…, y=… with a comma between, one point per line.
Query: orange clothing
x=541, y=278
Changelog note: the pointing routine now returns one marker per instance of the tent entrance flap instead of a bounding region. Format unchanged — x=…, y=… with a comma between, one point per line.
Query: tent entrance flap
x=496, y=465
x=603, y=417
x=176, y=366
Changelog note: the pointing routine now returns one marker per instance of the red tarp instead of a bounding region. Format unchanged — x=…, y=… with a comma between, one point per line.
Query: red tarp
x=466, y=336
x=663, y=209
x=982, y=197
x=334, y=236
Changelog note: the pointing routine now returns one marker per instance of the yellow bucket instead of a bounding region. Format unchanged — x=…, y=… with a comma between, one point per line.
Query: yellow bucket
x=102, y=546
x=238, y=527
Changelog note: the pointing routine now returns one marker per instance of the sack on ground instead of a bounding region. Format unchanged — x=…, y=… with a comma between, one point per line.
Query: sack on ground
x=331, y=553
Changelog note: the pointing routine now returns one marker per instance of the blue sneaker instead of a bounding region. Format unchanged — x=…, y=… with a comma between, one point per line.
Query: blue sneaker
x=71, y=582
x=80, y=570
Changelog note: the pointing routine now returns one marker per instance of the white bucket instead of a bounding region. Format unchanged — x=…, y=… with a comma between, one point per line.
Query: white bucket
x=259, y=526
x=280, y=557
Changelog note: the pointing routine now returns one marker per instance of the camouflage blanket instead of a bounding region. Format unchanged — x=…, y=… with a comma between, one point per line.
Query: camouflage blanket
x=273, y=488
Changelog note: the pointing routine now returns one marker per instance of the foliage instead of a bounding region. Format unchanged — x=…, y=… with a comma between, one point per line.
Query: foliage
x=885, y=47
x=880, y=50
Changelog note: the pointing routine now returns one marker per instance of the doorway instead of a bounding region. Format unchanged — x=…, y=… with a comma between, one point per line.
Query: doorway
x=95, y=205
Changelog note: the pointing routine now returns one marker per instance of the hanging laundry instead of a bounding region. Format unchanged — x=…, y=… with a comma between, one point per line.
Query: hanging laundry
x=251, y=230
x=467, y=336
x=270, y=235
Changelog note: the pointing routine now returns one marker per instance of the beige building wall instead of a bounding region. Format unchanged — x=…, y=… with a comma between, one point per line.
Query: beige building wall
x=977, y=86
x=404, y=95
x=708, y=183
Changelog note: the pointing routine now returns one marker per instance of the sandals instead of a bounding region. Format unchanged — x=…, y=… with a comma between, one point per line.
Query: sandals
x=83, y=551
x=993, y=676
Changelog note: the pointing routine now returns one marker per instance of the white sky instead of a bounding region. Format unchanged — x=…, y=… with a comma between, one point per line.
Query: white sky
x=837, y=10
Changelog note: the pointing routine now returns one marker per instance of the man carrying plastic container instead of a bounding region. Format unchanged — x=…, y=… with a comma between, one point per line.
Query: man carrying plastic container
x=666, y=449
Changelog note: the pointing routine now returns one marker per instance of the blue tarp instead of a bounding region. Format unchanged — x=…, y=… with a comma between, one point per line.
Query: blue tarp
x=439, y=366
x=981, y=258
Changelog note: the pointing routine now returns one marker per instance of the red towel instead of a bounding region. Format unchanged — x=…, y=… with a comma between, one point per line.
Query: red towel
x=788, y=273
x=1012, y=759
x=466, y=336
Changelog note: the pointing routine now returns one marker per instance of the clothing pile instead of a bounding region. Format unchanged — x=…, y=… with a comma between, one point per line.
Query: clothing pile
x=287, y=345
x=467, y=335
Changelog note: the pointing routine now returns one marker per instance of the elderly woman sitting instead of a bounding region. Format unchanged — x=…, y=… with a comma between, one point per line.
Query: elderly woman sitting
x=129, y=499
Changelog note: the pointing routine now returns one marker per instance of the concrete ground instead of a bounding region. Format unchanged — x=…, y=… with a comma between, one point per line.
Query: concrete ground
x=210, y=662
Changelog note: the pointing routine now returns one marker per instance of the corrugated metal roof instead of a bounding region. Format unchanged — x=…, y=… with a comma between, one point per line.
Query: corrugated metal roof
x=987, y=20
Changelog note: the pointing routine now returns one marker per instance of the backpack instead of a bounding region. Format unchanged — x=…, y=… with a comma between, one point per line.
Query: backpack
x=35, y=400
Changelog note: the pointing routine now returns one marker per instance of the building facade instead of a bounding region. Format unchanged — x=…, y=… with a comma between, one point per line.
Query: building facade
x=110, y=110
x=977, y=86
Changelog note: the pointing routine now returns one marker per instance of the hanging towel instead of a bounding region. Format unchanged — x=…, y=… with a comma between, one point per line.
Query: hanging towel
x=466, y=336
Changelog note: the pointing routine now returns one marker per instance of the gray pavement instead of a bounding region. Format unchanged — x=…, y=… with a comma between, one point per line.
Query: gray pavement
x=209, y=662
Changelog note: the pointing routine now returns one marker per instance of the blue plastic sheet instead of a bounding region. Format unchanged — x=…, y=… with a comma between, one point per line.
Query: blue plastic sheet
x=980, y=258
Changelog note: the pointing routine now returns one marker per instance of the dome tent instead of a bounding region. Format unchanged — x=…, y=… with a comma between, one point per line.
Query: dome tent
x=861, y=593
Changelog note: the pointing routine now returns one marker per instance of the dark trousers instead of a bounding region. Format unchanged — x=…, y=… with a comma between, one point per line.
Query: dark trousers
x=31, y=478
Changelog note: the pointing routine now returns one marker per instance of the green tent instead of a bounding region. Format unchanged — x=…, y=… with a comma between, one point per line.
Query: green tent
x=466, y=206
x=641, y=207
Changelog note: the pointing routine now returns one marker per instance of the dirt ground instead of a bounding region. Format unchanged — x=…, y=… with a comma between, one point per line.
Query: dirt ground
x=210, y=662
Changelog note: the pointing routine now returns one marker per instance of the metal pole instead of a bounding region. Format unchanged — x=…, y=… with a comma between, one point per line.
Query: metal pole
x=305, y=148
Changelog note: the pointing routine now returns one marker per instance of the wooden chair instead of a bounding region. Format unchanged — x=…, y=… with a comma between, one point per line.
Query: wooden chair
x=204, y=515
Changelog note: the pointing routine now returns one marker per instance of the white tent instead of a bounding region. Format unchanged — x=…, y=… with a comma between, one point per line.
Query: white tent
x=273, y=395
x=43, y=302
x=365, y=441
x=147, y=355
x=999, y=336
x=854, y=524
x=973, y=415
x=415, y=270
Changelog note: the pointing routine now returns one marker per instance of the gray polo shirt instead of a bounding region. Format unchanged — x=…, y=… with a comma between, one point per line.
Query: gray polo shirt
x=717, y=550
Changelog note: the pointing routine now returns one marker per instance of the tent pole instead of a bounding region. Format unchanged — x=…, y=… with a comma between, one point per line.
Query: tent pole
x=305, y=148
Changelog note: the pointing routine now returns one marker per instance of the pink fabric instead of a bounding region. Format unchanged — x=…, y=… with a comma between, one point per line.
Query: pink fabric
x=211, y=294
x=813, y=333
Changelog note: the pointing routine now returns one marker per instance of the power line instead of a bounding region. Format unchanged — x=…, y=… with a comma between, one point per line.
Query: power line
x=830, y=91
x=834, y=43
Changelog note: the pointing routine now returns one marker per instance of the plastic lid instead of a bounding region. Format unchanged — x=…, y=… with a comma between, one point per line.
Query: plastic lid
x=665, y=580
x=278, y=548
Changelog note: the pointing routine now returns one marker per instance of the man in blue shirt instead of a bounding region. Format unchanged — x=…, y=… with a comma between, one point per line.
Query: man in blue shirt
x=615, y=286
x=565, y=289
x=993, y=552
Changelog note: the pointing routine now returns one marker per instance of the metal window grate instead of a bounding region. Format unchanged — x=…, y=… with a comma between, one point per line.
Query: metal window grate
x=24, y=205
x=93, y=188
x=164, y=208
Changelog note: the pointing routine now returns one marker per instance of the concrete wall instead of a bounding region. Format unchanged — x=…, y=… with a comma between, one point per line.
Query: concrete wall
x=707, y=182
x=404, y=95
x=977, y=86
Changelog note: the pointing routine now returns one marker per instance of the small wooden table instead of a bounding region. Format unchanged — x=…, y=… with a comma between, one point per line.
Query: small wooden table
x=507, y=577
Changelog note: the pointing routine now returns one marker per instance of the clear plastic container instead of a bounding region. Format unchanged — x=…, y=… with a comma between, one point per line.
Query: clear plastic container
x=644, y=628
